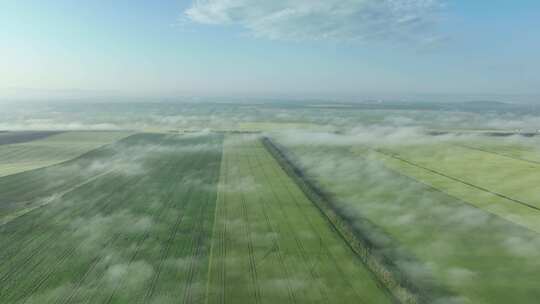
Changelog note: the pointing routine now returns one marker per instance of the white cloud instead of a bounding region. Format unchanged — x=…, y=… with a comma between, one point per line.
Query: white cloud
x=323, y=19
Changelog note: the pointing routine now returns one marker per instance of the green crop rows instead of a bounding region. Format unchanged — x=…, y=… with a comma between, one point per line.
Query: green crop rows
x=137, y=222
x=429, y=218
x=204, y=217
x=266, y=227
x=125, y=237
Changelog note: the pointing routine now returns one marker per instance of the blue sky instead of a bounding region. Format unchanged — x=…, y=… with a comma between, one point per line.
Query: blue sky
x=336, y=49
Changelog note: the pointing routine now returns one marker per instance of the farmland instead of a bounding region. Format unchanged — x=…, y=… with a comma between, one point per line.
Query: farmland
x=271, y=245
x=163, y=230
x=270, y=152
x=463, y=174
x=133, y=234
x=281, y=204
x=19, y=153
x=476, y=255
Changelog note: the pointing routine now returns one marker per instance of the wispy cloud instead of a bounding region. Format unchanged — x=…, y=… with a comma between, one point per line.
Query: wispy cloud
x=361, y=20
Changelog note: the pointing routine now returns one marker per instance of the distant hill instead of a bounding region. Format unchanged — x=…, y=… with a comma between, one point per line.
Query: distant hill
x=463, y=106
x=486, y=103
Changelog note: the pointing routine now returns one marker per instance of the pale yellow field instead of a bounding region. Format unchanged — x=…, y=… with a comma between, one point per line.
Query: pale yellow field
x=502, y=185
x=15, y=158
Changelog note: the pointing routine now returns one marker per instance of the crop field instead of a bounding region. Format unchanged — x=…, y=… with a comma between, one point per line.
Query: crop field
x=278, y=204
x=520, y=149
x=477, y=256
x=144, y=220
x=498, y=182
x=133, y=234
x=271, y=245
x=24, y=154
x=270, y=152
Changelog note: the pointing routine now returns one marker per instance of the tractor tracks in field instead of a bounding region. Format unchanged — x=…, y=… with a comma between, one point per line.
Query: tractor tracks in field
x=196, y=253
x=48, y=200
x=218, y=237
x=389, y=278
x=498, y=154
x=198, y=239
x=165, y=252
x=104, y=207
x=324, y=250
x=46, y=243
x=96, y=260
x=311, y=269
x=401, y=159
x=195, y=230
x=101, y=258
x=101, y=205
x=247, y=223
x=251, y=251
x=279, y=253
x=222, y=258
x=196, y=246
x=45, y=221
x=38, y=222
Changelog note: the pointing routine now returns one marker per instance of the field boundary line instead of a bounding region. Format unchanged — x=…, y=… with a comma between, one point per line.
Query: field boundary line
x=102, y=203
x=97, y=204
x=45, y=244
x=164, y=252
x=197, y=240
x=76, y=157
x=8, y=218
x=401, y=288
x=251, y=252
x=311, y=268
x=455, y=198
x=323, y=245
x=394, y=156
x=186, y=201
x=219, y=198
x=498, y=153
x=165, y=166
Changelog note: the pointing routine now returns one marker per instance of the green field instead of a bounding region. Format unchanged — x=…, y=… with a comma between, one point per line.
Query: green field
x=157, y=218
x=125, y=237
x=271, y=245
x=54, y=149
x=269, y=152
x=267, y=204
x=480, y=257
x=498, y=180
